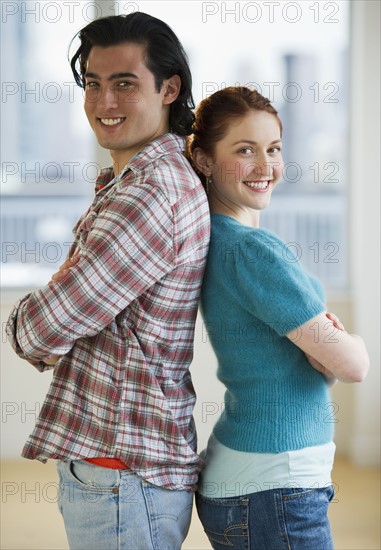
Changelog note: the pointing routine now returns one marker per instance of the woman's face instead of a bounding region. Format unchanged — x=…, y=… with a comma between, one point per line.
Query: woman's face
x=248, y=164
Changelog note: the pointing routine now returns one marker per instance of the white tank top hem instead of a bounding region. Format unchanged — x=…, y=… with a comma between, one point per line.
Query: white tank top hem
x=231, y=473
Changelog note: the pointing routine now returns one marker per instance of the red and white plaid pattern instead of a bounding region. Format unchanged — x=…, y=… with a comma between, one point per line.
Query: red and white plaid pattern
x=123, y=320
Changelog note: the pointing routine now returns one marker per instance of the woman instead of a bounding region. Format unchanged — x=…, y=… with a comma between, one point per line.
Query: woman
x=266, y=483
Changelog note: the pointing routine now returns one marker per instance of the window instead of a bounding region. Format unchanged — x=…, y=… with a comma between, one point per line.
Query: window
x=296, y=53
x=47, y=158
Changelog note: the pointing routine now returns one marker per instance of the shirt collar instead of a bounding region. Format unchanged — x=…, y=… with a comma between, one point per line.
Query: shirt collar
x=152, y=151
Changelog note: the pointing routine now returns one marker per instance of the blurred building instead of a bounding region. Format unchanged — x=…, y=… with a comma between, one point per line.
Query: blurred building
x=49, y=164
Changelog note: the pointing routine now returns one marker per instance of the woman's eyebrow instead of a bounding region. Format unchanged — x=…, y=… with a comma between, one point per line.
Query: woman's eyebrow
x=254, y=142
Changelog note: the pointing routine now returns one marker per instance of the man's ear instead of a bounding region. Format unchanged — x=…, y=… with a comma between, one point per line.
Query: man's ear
x=202, y=161
x=171, y=88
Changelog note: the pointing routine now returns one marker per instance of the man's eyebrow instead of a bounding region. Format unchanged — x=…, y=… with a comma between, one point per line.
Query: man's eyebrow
x=114, y=76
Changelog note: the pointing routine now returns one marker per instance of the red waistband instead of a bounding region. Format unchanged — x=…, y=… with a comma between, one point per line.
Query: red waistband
x=113, y=463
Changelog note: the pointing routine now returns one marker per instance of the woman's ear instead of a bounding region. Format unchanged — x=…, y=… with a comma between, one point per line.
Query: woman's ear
x=202, y=161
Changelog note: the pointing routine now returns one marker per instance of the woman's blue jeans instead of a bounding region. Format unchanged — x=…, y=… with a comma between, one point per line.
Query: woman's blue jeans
x=105, y=509
x=279, y=519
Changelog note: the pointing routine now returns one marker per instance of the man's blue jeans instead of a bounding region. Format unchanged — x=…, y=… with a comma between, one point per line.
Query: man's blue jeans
x=279, y=519
x=105, y=509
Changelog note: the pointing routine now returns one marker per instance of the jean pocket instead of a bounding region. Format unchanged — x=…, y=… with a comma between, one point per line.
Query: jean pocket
x=165, y=503
x=225, y=521
x=305, y=516
x=322, y=494
x=170, y=514
x=93, y=478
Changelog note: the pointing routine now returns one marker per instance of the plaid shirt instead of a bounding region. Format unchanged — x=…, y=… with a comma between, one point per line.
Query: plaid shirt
x=123, y=319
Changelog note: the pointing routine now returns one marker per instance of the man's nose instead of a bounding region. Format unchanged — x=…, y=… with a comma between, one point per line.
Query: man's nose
x=107, y=99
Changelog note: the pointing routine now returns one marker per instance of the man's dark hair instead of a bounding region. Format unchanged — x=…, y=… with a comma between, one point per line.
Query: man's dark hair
x=165, y=57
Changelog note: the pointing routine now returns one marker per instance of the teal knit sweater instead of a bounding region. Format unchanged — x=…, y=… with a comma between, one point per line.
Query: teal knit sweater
x=254, y=292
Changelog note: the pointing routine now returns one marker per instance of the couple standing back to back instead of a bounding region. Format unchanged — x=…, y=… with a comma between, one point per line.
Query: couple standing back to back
x=116, y=322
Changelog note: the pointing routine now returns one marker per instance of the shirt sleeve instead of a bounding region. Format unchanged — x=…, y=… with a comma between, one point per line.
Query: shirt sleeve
x=273, y=286
x=124, y=249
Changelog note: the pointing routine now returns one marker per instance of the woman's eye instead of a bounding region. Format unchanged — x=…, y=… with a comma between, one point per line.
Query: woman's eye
x=246, y=150
x=275, y=149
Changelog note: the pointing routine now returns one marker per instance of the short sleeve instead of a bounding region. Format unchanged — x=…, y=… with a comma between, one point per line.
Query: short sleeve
x=272, y=284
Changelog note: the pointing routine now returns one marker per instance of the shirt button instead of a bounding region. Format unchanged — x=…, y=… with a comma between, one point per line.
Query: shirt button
x=115, y=490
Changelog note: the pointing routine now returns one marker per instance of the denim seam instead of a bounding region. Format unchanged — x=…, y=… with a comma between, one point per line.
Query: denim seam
x=148, y=503
x=296, y=496
x=281, y=514
x=118, y=514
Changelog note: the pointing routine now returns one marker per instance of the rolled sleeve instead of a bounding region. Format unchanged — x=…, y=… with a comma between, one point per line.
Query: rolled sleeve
x=125, y=248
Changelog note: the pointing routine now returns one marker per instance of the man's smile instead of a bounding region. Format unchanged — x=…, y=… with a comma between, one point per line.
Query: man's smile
x=112, y=121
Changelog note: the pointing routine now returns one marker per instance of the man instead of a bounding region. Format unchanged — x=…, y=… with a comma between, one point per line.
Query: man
x=117, y=320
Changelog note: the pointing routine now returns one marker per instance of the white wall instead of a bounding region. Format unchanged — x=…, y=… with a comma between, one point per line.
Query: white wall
x=23, y=390
x=365, y=220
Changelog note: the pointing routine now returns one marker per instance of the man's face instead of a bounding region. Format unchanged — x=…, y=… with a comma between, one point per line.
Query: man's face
x=121, y=102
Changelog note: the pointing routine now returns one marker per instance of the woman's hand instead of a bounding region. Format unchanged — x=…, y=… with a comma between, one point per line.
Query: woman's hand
x=325, y=339
x=330, y=378
x=335, y=320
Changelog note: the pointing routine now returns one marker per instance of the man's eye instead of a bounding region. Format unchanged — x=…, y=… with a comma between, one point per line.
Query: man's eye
x=125, y=84
x=91, y=85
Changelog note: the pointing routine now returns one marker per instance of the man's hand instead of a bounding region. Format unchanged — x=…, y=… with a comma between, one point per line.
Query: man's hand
x=51, y=360
x=64, y=268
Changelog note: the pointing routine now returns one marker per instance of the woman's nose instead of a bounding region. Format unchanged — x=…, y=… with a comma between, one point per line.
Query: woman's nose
x=263, y=166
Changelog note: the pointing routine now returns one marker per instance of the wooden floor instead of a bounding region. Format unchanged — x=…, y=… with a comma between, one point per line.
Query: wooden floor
x=30, y=519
